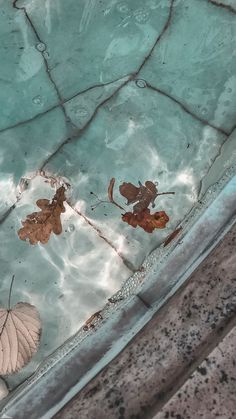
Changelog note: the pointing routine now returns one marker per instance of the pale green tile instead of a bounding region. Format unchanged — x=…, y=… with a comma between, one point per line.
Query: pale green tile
x=91, y=41
x=195, y=61
x=25, y=89
x=23, y=150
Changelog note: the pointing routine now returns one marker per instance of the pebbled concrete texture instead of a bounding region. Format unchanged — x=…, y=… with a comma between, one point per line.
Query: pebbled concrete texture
x=147, y=377
x=210, y=391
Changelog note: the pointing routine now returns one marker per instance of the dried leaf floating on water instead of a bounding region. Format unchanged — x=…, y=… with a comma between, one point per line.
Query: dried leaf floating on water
x=143, y=195
x=147, y=221
x=38, y=226
x=20, y=329
x=130, y=192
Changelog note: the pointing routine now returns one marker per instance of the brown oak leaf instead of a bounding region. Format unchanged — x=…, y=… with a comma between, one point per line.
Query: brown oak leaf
x=38, y=226
x=146, y=220
x=143, y=195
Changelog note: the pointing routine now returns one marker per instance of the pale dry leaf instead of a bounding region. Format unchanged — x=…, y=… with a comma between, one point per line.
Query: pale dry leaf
x=20, y=330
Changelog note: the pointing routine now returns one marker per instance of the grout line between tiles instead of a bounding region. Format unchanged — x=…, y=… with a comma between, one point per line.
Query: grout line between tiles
x=65, y=100
x=126, y=262
x=188, y=111
x=78, y=132
x=44, y=59
x=129, y=265
x=213, y=161
x=223, y=6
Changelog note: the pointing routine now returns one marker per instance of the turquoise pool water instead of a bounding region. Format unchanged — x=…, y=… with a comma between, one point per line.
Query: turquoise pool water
x=93, y=90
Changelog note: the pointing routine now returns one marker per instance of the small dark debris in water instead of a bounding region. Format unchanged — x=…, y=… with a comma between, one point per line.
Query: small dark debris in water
x=89, y=323
x=141, y=83
x=172, y=236
x=141, y=269
x=114, y=300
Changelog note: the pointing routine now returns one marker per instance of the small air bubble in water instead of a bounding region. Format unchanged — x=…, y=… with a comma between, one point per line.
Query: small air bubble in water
x=37, y=100
x=141, y=83
x=46, y=55
x=81, y=112
x=41, y=46
x=122, y=7
x=71, y=228
x=204, y=111
x=141, y=15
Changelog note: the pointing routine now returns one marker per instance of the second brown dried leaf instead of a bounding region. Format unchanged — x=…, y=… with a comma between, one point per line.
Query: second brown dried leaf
x=143, y=195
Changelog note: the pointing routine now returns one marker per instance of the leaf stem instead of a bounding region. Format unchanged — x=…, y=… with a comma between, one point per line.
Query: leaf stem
x=9, y=298
x=117, y=205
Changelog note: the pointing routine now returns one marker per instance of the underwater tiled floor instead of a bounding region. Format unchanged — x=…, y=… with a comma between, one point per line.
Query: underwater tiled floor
x=90, y=90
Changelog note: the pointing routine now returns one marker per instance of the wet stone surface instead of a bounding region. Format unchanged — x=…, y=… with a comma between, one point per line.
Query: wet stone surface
x=210, y=390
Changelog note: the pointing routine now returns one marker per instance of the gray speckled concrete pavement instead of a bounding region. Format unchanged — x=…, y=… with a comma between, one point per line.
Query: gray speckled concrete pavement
x=147, y=378
x=210, y=392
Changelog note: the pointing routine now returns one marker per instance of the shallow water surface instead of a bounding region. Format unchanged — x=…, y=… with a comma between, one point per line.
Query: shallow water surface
x=92, y=90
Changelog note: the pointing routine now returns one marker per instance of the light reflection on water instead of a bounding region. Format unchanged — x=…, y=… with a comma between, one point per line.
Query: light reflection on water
x=67, y=280
x=137, y=135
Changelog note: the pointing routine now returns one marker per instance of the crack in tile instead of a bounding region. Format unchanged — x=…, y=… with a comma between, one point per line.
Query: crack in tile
x=213, y=161
x=8, y=212
x=77, y=134
x=126, y=262
x=188, y=111
x=44, y=60
x=129, y=265
x=65, y=100
x=223, y=6
x=165, y=27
